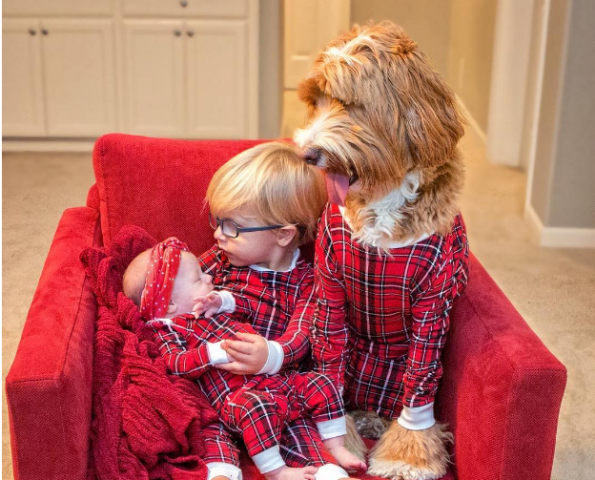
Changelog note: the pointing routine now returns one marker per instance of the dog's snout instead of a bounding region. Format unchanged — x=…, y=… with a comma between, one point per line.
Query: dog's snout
x=311, y=155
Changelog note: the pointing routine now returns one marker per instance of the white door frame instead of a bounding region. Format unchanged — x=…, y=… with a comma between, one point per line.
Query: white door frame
x=510, y=67
x=541, y=23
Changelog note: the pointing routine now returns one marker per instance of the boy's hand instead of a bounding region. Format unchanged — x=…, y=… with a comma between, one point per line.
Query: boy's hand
x=208, y=305
x=247, y=355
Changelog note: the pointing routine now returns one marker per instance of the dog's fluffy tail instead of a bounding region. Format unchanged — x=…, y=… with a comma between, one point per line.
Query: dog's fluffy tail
x=353, y=441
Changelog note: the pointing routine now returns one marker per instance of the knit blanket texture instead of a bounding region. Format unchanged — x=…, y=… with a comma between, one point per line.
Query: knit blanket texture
x=147, y=424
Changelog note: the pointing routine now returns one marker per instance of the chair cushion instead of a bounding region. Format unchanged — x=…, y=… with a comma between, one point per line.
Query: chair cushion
x=159, y=184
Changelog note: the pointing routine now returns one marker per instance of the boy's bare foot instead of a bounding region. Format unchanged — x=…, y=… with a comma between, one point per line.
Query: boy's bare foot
x=347, y=459
x=287, y=473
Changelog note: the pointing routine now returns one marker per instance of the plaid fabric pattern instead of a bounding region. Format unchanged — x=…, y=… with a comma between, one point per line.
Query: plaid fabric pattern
x=279, y=304
x=280, y=307
x=220, y=445
x=301, y=445
x=261, y=410
x=383, y=317
x=258, y=407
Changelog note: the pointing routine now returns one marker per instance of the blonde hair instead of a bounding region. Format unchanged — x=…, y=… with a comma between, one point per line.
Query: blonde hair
x=275, y=184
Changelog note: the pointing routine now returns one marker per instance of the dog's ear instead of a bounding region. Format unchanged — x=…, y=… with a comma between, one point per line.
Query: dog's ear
x=308, y=90
x=423, y=109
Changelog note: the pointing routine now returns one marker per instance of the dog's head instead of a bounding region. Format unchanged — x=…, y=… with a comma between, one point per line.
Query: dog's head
x=377, y=110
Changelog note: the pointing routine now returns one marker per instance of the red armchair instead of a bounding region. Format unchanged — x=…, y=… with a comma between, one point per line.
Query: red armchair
x=501, y=390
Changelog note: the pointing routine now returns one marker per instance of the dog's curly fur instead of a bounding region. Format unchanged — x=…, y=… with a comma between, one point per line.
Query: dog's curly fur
x=368, y=424
x=380, y=115
x=423, y=453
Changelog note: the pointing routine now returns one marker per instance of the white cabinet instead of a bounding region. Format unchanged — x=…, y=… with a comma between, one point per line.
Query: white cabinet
x=22, y=87
x=58, y=78
x=217, y=79
x=154, y=78
x=78, y=70
x=174, y=68
x=188, y=78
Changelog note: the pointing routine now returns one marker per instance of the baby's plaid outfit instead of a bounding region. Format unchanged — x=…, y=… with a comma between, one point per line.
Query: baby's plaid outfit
x=280, y=307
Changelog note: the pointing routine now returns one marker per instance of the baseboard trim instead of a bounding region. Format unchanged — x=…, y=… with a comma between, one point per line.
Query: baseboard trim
x=471, y=120
x=10, y=145
x=557, y=237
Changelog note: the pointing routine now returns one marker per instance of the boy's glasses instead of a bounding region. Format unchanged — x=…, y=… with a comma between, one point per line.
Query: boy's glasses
x=230, y=229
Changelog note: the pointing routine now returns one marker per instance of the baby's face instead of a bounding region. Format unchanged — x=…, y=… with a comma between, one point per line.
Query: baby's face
x=191, y=282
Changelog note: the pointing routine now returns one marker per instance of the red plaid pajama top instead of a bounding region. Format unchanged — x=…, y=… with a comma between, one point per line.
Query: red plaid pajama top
x=278, y=305
x=383, y=317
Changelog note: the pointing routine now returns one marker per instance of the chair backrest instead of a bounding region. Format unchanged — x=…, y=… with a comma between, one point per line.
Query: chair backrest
x=159, y=184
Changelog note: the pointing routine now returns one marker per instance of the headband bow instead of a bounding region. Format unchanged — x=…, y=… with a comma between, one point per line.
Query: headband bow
x=163, y=268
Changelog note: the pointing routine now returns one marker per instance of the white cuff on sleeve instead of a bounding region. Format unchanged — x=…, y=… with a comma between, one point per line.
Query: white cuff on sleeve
x=417, y=418
x=228, y=303
x=224, y=469
x=268, y=460
x=332, y=428
x=275, y=360
x=330, y=471
x=216, y=354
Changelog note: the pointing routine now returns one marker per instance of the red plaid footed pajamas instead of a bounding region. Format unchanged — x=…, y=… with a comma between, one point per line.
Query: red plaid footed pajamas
x=300, y=445
x=385, y=312
x=258, y=407
x=280, y=307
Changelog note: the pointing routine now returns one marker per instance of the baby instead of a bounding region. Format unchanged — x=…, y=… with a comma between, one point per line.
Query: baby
x=269, y=290
x=294, y=393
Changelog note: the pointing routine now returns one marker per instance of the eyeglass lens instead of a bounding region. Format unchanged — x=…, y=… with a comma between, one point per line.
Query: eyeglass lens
x=228, y=227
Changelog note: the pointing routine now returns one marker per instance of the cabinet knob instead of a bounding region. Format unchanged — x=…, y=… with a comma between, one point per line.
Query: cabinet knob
x=32, y=32
x=184, y=3
x=44, y=31
x=190, y=33
x=177, y=33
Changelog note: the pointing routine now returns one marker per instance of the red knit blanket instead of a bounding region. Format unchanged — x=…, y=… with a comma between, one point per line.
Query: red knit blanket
x=146, y=424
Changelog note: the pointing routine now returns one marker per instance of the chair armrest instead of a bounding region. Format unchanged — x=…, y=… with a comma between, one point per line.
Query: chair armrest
x=502, y=388
x=49, y=385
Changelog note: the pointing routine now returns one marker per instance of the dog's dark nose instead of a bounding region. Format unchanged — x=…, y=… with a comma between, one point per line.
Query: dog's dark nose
x=311, y=155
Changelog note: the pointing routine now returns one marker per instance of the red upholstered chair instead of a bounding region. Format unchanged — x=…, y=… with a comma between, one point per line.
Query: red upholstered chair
x=501, y=390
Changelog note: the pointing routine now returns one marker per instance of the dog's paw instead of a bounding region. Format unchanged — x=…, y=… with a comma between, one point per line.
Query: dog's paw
x=403, y=454
x=399, y=470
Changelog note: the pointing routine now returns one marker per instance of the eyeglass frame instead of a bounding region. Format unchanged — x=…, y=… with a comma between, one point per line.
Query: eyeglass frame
x=216, y=222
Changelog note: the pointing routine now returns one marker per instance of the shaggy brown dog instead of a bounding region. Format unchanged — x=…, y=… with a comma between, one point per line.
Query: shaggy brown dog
x=384, y=126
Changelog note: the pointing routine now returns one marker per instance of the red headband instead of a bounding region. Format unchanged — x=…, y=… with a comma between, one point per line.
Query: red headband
x=161, y=274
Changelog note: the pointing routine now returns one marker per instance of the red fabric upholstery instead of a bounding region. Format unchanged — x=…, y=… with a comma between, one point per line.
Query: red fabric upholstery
x=159, y=185
x=48, y=387
x=501, y=390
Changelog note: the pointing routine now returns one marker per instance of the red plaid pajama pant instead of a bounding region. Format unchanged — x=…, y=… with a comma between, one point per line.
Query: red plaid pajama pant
x=270, y=411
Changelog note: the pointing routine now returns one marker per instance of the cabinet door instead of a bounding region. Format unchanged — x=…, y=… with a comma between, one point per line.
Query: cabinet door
x=217, y=79
x=154, y=80
x=22, y=89
x=79, y=77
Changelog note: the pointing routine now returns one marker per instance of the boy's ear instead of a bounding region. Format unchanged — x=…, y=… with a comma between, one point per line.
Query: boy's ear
x=286, y=234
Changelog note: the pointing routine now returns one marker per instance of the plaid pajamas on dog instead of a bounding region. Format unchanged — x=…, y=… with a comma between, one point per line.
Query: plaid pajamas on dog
x=383, y=317
x=280, y=307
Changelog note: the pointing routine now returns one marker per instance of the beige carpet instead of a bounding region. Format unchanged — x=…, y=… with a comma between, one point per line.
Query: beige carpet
x=554, y=289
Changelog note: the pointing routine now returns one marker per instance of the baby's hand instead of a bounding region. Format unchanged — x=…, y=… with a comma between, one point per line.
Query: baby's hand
x=247, y=354
x=208, y=305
